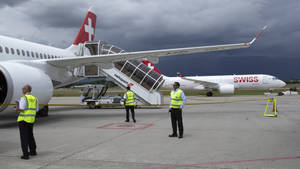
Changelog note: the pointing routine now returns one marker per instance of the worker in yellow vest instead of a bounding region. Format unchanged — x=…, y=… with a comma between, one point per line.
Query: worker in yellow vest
x=177, y=102
x=27, y=106
x=129, y=104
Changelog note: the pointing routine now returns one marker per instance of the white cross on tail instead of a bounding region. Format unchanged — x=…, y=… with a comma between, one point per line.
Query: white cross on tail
x=150, y=66
x=89, y=29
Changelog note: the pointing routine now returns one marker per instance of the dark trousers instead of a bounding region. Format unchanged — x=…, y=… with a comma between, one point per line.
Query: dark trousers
x=176, y=118
x=131, y=108
x=27, y=138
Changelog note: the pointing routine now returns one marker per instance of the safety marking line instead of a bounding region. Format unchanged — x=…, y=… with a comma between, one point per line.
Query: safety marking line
x=227, y=162
x=126, y=126
x=225, y=102
x=116, y=105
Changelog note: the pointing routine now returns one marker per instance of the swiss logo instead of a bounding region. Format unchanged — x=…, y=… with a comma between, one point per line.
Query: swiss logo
x=246, y=79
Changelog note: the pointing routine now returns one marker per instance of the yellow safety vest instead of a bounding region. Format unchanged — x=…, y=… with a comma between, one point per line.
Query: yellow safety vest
x=129, y=98
x=176, y=100
x=28, y=115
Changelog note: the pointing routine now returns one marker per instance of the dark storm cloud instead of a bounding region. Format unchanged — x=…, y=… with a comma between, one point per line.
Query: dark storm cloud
x=11, y=3
x=190, y=23
x=57, y=15
x=154, y=24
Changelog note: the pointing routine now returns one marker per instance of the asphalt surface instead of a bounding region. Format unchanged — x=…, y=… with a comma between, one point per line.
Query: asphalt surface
x=228, y=132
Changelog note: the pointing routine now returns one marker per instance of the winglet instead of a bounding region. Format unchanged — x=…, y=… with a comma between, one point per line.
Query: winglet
x=262, y=30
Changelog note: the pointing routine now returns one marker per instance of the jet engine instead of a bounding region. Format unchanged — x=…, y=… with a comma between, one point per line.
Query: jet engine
x=226, y=89
x=13, y=76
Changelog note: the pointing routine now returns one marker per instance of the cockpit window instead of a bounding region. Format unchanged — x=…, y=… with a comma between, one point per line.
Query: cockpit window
x=274, y=78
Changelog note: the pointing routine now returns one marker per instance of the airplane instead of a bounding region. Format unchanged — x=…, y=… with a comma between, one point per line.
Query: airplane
x=225, y=84
x=46, y=67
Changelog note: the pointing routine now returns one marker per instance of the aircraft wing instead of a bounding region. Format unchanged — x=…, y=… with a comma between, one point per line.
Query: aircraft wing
x=98, y=59
x=206, y=84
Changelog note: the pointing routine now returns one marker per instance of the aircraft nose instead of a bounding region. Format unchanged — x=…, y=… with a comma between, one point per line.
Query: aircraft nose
x=282, y=83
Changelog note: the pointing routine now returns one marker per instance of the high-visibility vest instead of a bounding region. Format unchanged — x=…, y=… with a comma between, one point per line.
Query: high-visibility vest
x=129, y=98
x=28, y=115
x=176, y=100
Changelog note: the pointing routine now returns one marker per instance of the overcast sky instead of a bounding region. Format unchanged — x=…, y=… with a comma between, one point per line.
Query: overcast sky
x=155, y=24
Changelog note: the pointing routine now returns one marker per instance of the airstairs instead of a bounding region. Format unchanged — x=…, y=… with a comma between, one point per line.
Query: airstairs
x=144, y=81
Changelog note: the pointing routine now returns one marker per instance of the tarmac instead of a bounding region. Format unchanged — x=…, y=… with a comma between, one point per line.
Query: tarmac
x=229, y=132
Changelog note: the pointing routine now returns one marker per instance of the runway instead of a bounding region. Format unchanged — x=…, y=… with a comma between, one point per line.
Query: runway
x=219, y=132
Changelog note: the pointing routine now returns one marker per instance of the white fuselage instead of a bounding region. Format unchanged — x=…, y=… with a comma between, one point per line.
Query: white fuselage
x=240, y=82
x=29, y=53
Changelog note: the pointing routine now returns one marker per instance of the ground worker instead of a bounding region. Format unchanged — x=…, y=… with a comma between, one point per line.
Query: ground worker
x=176, y=105
x=129, y=104
x=27, y=106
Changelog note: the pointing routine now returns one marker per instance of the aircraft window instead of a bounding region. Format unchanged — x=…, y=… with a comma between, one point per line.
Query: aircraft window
x=1, y=49
x=32, y=54
x=49, y=56
x=6, y=50
x=36, y=55
x=18, y=51
x=12, y=51
x=28, y=53
x=41, y=55
x=45, y=56
x=52, y=56
x=23, y=52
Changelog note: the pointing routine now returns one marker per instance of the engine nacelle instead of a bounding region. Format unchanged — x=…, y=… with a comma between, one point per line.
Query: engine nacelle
x=226, y=89
x=13, y=76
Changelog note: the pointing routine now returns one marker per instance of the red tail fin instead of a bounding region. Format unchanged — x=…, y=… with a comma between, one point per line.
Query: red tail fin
x=149, y=64
x=87, y=29
x=179, y=74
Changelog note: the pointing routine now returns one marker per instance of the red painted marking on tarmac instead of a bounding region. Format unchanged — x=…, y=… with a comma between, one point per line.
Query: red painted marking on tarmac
x=126, y=126
x=105, y=125
x=228, y=162
x=147, y=126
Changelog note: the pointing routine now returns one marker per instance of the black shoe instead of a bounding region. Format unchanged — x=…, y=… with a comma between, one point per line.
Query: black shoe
x=180, y=136
x=173, y=135
x=126, y=120
x=134, y=121
x=33, y=153
x=25, y=157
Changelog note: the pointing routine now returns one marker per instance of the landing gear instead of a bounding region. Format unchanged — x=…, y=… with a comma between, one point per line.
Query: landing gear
x=209, y=93
x=43, y=112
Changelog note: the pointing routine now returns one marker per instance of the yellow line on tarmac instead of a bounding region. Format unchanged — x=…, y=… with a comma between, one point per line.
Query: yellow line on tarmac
x=226, y=102
x=118, y=105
